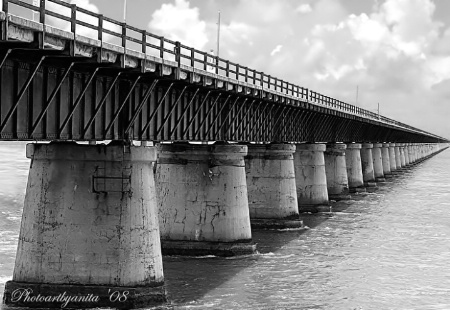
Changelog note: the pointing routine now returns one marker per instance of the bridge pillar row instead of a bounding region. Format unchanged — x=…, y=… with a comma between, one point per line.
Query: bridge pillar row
x=272, y=193
x=336, y=171
x=354, y=167
x=378, y=162
x=203, y=200
x=310, y=176
x=89, y=224
x=392, y=157
x=386, y=160
x=367, y=161
x=420, y=152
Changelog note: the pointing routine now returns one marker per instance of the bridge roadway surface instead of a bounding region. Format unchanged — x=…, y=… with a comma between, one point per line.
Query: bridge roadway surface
x=61, y=85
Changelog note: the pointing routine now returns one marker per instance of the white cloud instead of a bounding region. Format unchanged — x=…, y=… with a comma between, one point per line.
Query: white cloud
x=276, y=50
x=180, y=22
x=304, y=8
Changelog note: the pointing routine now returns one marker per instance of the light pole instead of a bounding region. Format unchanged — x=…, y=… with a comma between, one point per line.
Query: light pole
x=124, y=11
x=218, y=35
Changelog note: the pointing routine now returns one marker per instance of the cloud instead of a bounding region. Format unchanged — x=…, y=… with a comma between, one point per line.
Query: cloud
x=180, y=22
x=277, y=49
x=304, y=8
x=396, y=52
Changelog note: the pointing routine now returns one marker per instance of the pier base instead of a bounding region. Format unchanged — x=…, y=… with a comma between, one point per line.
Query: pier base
x=392, y=158
x=367, y=165
x=386, y=160
x=354, y=168
x=89, y=228
x=203, y=202
x=310, y=177
x=336, y=172
x=272, y=195
x=378, y=162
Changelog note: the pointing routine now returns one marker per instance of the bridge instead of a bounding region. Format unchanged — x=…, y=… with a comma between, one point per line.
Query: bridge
x=222, y=148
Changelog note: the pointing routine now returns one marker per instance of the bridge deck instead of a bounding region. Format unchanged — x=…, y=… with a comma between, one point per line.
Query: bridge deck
x=58, y=84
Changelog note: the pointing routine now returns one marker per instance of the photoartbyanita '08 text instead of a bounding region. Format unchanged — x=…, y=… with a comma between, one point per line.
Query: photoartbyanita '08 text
x=25, y=295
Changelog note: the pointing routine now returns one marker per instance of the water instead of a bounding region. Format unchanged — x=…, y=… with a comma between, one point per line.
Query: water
x=385, y=250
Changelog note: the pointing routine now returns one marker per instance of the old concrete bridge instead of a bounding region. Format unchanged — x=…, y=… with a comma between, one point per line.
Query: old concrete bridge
x=222, y=148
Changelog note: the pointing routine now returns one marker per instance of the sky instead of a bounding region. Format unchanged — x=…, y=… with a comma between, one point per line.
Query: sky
x=396, y=53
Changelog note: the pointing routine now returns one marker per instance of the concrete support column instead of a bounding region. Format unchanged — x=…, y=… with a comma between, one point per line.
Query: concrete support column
x=414, y=153
x=402, y=155
x=272, y=194
x=310, y=176
x=398, y=156
x=410, y=153
x=386, y=159
x=89, y=226
x=203, y=202
x=336, y=171
x=392, y=157
x=354, y=166
x=406, y=152
x=367, y=164
x=378, y=162
x=419, y=152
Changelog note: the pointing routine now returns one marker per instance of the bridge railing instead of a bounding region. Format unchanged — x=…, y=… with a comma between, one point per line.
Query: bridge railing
x=82, y=21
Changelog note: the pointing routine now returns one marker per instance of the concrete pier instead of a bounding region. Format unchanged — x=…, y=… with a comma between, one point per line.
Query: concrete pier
x=398, y=156
x=354, y=167
x=336, y=171
x=272, y=193
x=386, y=160
x=310, y=176
x=367, y=161
x=378, y=162
x=203, y=201
x=402, y=155
x=392, y=157
x=406, y=152
x=412, y=154
x=89, y=226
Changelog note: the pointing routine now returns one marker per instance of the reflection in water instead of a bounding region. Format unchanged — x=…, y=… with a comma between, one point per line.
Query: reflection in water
x=383, y=250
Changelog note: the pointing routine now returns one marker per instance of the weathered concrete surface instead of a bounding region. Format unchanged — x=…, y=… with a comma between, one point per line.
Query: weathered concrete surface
x=271, y=184
x=354, y=166
x=412, y=155
x=367, y=163
x=406, y=152
x=392, y=157
x=336, y=171
x=202, y=197
x=402, y=155
x=386, y=160
x=378, y=162
x=310, y=176
x=90, y=218
x=398, y=156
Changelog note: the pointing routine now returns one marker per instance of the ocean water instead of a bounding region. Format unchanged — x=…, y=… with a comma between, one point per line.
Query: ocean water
x=388, y=249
